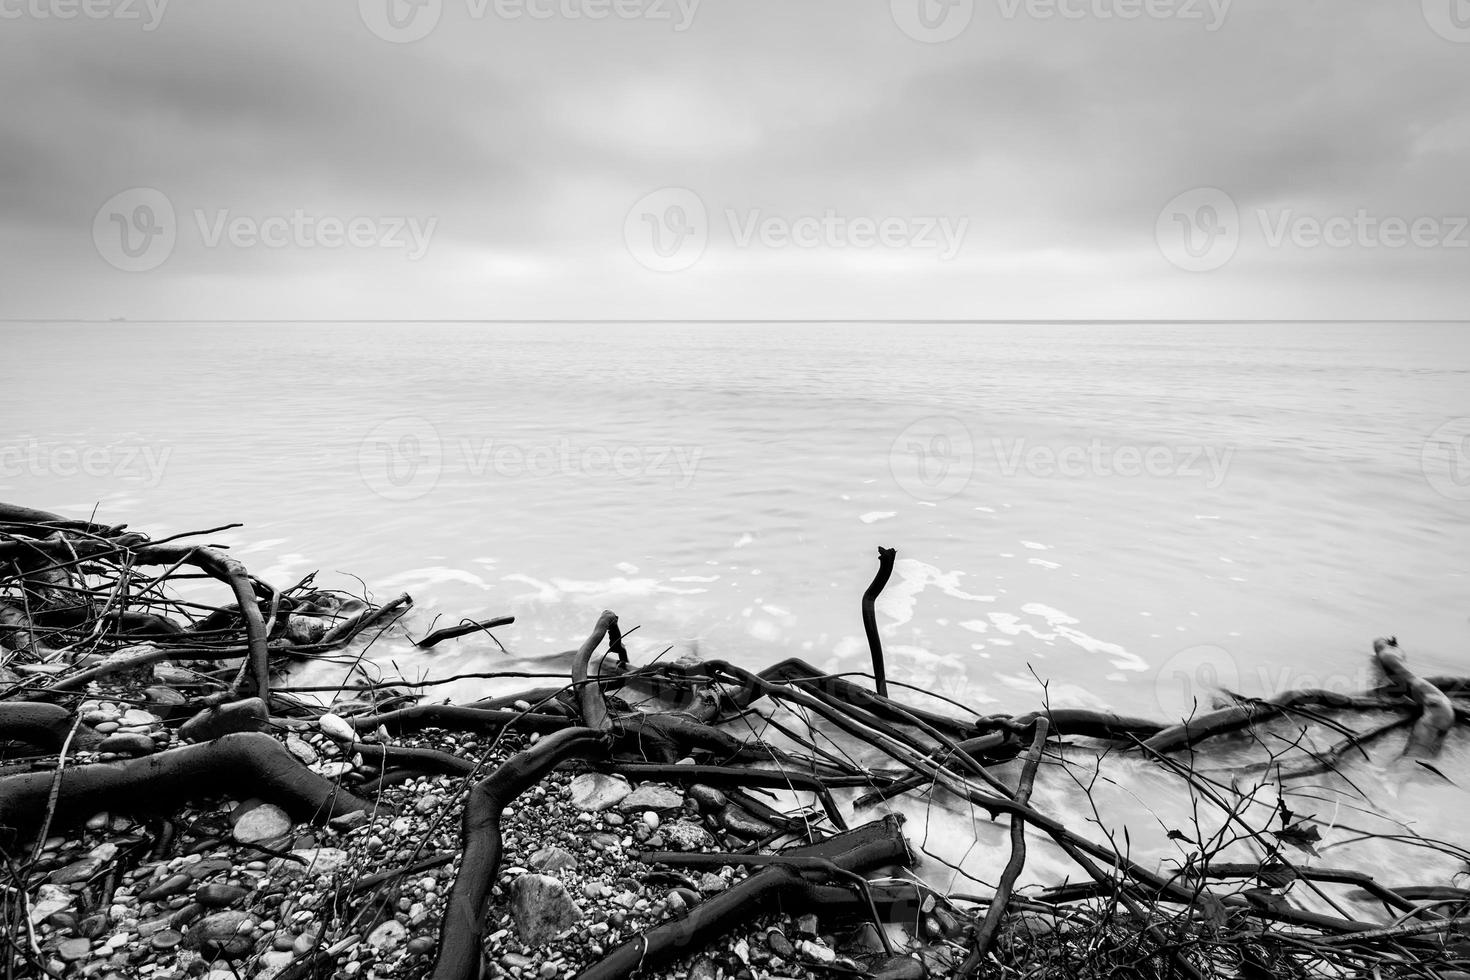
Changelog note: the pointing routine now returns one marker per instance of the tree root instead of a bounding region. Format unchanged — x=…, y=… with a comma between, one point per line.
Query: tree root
x=246, y=761
x=43, y=725
x=461, y=941
x=872, y=846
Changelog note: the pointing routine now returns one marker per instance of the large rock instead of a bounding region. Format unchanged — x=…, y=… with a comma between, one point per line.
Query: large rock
x=651, y=796
x=249, y=715
x=541, y=908
x=258, y=824
x=594, y=791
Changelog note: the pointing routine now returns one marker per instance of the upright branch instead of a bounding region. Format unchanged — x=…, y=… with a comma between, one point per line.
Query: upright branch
x=589, y=696
x=870, y=622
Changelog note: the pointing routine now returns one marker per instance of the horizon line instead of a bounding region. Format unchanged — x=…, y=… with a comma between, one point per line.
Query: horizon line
x=1058, y=321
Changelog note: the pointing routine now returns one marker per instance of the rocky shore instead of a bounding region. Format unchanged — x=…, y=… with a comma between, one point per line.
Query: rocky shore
x=235, y=888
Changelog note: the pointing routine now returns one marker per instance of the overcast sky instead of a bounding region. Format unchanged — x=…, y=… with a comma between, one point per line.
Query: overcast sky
x=734, y=159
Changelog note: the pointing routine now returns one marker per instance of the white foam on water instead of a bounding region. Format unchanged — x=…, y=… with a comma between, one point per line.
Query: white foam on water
x=913, y=577
x=627, y=568
x=873, y=516
x=1036, y=545
x=743, y=540
x=433, y=575
x=1042, y=562
x=1064, y=626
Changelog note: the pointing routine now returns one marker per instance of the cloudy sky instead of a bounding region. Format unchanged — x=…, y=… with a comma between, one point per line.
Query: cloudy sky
x=330, y=159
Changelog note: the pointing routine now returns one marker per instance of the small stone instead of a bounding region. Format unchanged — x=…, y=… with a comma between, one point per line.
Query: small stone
x=712, y=884
x=651, y=796
x=807, y=924
x=77, y=871
x=127, y=743
x=686, y=836
x=779, y=944
x=709, y=799
x=429, y=803
x=94, y=925
x=262, y=823
x=420, y=945
x=743, y=825
x=900, y=968
x=703, y=969
x=541, y=908
x=333, y=770
x=98, y=820
x=301, y=749
x=552, y=859
x=320, y=862
x=166, y=939
x=349, y=821
x=220, y=895
x=594, y=791
x=650, y=820
x=390, y=934
x=74, y=949
x=815, y=952
x=164, y=697
x=137, y=716
x=335, y=728
x=249, y=715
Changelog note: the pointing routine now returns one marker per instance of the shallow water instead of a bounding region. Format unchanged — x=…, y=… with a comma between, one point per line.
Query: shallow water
x=1124, y=513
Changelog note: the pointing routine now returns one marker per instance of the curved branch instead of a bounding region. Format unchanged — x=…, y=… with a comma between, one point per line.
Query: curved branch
x=462, y=936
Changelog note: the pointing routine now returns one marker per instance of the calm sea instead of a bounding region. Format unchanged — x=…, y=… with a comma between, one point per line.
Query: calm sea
x=1125, y=514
